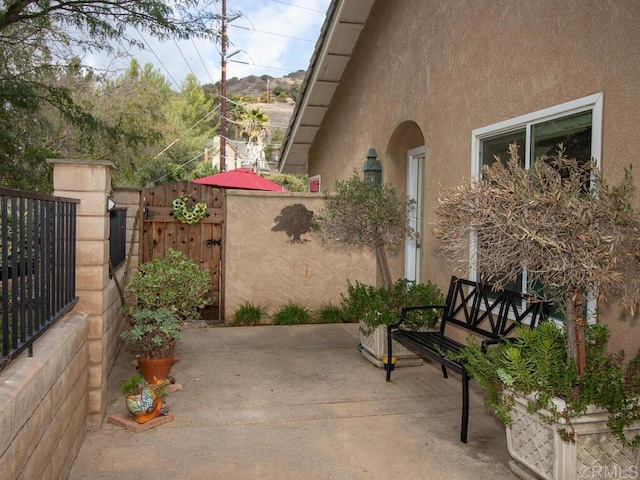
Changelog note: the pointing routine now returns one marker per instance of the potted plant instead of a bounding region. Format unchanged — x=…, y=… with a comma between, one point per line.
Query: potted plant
x=576, y=236
x=144, y=401
x=377, y=307
x=152, y=336
x=361, y=213
x=163, y=294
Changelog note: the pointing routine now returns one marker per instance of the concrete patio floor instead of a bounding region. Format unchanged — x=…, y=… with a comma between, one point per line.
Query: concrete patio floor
x=296, y=402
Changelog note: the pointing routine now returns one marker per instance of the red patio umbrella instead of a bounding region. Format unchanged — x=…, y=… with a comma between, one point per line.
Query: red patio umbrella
x=240, y=178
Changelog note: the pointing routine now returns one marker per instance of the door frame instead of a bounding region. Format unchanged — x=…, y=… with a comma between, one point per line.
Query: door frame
x=415, y=180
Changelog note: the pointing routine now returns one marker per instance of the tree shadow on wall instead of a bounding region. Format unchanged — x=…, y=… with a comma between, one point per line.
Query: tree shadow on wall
x=295, y=220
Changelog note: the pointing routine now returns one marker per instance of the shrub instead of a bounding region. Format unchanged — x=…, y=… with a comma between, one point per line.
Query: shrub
x=535, y=364
x=292, y=314
x=174, y=282
x=380, y=306
x=249, y=314
x=330, y=314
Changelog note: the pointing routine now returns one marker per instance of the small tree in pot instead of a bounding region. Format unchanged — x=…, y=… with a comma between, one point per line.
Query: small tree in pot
x=364, y=214
x=576, y=236
x=574, y=233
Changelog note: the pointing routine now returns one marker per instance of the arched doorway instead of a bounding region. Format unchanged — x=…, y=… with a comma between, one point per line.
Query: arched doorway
x=406, y=170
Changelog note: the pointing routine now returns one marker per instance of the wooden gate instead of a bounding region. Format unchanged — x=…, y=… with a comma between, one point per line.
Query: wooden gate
x=202, y=242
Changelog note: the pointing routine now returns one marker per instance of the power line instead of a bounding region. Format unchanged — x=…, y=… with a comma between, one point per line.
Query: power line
x=184, y=58
x=179, y=166
x=202, y=61
x=298, y=6
x=272, y=33
x=186, y=131
x=158, y=58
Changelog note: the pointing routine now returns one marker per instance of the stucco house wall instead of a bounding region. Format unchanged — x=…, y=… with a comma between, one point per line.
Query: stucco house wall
x=429, y=73
x=264, y=267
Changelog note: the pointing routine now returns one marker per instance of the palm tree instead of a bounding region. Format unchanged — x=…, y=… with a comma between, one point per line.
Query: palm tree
x=255, y=126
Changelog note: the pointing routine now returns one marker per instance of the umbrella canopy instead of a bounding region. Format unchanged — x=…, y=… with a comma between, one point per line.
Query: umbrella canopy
x=240, y=178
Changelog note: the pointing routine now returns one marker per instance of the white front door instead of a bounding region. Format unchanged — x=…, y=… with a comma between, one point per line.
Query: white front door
x=413, y=252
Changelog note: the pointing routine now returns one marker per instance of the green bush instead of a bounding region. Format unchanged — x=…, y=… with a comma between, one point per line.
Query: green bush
x=249, y=314
x=292, y=314
x=378, y=306
x=330, y=314
x=174, y=282
x=535, y=364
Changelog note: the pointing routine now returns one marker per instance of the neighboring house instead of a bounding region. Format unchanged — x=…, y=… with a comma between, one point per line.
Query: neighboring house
x=233, y=158
x=439, y=87
x=240, y=154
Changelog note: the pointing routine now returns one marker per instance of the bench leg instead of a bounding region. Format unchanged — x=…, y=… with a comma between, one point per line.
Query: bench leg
x=465, y=406
x=444, y=371
x=389, y=353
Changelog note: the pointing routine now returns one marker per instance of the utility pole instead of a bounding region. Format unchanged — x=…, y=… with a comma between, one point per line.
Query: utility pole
x=223, y=90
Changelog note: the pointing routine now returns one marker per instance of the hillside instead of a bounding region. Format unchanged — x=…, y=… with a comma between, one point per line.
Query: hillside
x=257, y=86
x=279, y=113
x=281, y=97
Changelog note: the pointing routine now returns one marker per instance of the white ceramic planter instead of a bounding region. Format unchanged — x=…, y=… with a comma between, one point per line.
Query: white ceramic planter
x=538, y=451
x=374, y=347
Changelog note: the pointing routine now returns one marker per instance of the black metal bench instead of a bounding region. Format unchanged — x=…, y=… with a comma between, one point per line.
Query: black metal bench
x=474, y=308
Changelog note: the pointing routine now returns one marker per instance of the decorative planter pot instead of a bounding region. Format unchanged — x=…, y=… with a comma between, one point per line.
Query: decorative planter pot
x=538, y=451
x=155, y=368
x=144, y=406
x=374, y=348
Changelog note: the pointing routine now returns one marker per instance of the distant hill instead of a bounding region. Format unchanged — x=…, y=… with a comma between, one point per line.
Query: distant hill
x=258, y=86
x=275, y=96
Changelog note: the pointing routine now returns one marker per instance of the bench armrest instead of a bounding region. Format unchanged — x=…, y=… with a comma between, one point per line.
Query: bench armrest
x=403, y=314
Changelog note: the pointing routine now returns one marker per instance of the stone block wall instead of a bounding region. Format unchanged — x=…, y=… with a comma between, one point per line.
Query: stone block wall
x=90, y=181
x=44, y=404
x=48, y=401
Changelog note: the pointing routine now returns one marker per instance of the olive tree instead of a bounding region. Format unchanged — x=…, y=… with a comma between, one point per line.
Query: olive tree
x=573, y=232
x=364, y=214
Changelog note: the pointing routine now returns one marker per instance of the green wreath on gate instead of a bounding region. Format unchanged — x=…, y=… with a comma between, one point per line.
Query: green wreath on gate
x=185, y=213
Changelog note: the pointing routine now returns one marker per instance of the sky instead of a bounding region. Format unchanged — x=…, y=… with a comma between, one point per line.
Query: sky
x=274, y=37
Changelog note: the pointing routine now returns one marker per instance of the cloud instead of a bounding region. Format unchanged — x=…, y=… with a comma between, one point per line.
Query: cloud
x=274, y=38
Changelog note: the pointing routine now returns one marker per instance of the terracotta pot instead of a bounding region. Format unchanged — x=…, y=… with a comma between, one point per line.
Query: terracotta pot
x=155, y=368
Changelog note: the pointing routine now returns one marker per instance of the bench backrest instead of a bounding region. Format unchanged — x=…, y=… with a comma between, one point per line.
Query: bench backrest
x=493, y=314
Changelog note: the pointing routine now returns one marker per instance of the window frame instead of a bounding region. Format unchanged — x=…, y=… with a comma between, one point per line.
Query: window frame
x=593, y=103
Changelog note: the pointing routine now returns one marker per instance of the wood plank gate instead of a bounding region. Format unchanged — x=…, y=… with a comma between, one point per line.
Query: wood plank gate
x=161, y=230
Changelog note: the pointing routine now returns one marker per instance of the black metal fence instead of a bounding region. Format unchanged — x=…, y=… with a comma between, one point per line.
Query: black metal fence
x=37, y=266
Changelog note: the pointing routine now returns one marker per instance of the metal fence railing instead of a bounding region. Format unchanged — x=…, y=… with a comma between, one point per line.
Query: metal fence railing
x=37, y=267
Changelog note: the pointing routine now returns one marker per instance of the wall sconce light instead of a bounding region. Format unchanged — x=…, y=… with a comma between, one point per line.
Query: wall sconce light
x=372, y=168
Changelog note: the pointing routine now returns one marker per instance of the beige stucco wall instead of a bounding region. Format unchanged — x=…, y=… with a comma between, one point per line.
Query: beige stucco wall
x=263, y=267
x=431, y=72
